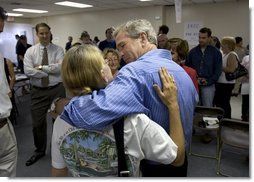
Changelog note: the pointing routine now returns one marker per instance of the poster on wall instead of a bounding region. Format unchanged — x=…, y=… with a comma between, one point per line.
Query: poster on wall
x=191, y=31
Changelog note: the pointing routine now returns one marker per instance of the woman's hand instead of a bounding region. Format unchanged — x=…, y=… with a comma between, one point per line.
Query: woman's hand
x=58, y=107
x=168, y=93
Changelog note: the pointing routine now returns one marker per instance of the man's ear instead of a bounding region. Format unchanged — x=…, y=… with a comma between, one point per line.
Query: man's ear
x=143, y=37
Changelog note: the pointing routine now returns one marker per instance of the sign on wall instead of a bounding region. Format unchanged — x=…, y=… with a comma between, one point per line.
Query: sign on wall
x=191, y=31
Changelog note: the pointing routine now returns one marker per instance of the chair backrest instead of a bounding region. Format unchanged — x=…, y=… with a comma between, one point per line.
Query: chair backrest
x=234, y=132
x=202, y=111
x=210, y=111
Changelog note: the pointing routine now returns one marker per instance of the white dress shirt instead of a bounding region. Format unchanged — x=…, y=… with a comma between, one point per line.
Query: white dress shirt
x=5, y=103
x=33, y=58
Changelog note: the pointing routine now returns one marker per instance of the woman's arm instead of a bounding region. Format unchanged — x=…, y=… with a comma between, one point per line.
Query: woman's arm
x=57, y=106
x=59, y=172
x=168, y=95
x=231, y=64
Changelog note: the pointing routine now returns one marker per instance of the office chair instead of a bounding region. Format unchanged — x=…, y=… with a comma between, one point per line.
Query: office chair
x=199, y=124
x=234, y=133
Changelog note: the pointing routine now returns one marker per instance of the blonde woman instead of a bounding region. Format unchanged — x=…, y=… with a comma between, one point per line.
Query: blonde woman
x=223, y=86
x=83, y=71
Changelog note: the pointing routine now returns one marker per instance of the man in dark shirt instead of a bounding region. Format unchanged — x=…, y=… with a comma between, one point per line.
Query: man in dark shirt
x=207, y=61
x=21, y=48
x=68, y=44
x=109, y=42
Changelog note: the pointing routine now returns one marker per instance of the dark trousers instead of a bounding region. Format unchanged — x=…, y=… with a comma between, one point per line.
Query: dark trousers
x=222, y=97
x=21, y=65
x=14, y=110
x=41, y=100
x=245, y=107
x=161, y=170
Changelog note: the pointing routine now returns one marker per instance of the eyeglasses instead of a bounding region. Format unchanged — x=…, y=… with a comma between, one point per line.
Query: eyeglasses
x=108, y=61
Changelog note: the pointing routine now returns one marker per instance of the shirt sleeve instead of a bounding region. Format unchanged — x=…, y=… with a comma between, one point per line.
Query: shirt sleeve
x=217, y=68
x=54, y=66
x=146, y=139
x=57, y=158
x=121, y=97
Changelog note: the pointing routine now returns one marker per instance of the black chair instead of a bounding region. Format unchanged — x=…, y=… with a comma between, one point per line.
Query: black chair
x=199, y=124
x=235, y=134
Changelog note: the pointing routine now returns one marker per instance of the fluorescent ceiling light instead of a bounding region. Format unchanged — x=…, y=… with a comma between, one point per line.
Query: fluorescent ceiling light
x=14, y=14
x=30, y=10
x=145, y=0
x=73, y=4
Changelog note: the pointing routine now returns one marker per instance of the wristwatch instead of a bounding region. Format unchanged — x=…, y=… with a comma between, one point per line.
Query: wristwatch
x=53, y=105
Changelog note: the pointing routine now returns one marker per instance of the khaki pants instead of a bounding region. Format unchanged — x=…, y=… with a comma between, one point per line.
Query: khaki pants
x=8, y=151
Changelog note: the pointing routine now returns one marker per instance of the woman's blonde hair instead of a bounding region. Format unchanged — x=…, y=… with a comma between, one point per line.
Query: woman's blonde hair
x=81, y=69
x=230, y=42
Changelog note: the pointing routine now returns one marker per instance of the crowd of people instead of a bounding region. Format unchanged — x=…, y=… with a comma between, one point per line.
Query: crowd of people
x=88, y=91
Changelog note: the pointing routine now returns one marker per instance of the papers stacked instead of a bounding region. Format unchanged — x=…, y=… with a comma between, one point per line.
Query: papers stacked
x=211, y=122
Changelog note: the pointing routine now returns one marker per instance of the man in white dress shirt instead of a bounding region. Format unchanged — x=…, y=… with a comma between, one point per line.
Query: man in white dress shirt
x=42, y=63
x=8, y=144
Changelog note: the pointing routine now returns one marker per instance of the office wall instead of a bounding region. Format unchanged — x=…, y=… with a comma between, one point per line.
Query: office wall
x=224, y=19
x=96, y=22
x=8, y=41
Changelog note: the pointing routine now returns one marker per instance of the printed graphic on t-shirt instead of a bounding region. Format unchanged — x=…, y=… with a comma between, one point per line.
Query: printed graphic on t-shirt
x=90, y=153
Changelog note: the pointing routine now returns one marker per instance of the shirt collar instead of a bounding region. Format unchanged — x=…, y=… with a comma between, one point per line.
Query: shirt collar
x=157, y=53
x=42, y=46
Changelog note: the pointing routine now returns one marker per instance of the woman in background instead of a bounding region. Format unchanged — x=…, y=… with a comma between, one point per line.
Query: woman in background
x=223, y=86
x=245, y=89
x=113, y=58
x=179, y=49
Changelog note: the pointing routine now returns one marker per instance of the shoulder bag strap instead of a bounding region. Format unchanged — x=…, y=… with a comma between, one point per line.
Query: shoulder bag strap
x=119, y=138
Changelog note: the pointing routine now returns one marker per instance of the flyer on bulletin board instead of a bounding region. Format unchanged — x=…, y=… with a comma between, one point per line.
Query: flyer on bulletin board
x=191, y=31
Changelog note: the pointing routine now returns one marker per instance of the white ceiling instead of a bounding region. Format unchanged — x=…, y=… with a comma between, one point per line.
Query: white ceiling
x=53, y=9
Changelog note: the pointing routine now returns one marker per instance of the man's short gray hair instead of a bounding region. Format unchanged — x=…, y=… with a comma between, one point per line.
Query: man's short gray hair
x=133, y=28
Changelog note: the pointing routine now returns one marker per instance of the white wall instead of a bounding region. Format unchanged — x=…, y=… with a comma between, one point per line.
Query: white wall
x=224, y=19
x=8, y=41
x=96, y=22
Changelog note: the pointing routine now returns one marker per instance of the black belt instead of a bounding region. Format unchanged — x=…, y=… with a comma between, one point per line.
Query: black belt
x=3, y=122
x=46, y=88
